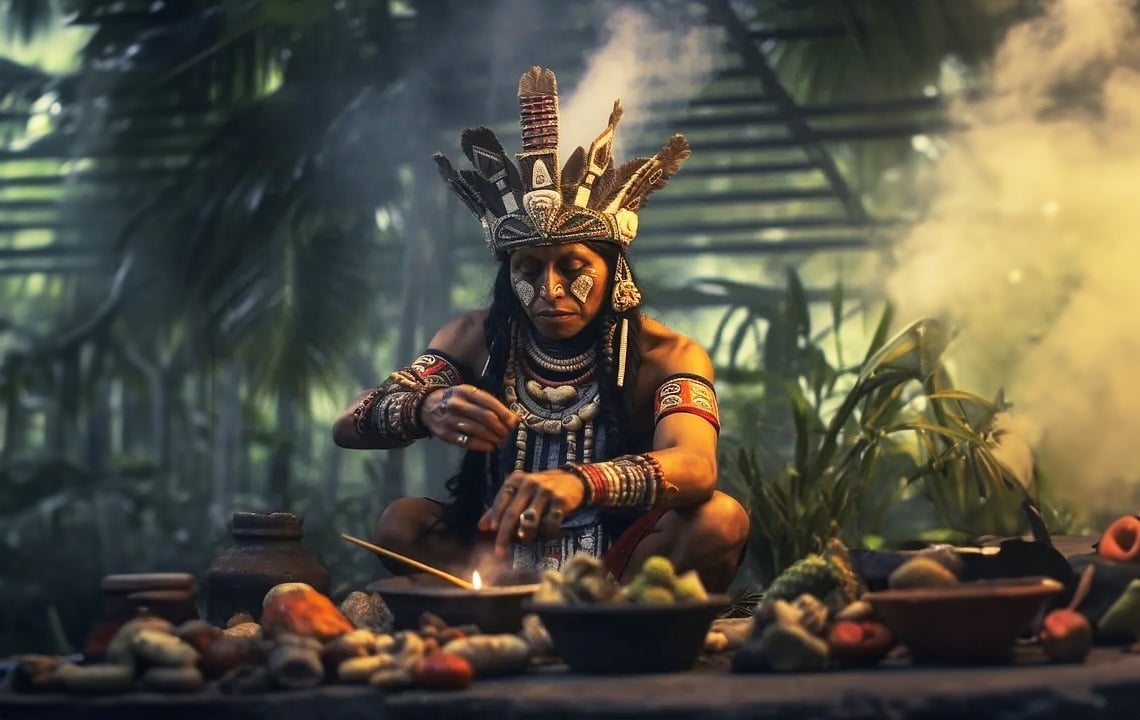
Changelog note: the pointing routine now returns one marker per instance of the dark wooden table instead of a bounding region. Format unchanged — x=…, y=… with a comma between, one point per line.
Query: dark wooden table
x=1107, y=686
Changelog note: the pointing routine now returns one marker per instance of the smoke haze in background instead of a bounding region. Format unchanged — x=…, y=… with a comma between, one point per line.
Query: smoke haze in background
x=641, y=60
x=1031, y=248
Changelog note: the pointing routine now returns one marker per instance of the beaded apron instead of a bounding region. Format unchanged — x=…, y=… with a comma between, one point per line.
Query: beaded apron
x=556, y=395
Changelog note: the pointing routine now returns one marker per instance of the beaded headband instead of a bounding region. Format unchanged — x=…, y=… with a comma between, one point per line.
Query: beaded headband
x=535, y=204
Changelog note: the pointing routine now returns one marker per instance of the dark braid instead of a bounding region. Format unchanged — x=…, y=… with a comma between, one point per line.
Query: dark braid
x=468, y=486
x=623, y=434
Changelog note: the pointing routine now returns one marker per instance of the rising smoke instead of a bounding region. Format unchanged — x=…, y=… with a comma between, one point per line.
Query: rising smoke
x=1030, y=245
x=643, y=59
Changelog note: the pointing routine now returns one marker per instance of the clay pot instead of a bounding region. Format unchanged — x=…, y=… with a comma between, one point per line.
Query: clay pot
x=267, y=551
x=167, y=595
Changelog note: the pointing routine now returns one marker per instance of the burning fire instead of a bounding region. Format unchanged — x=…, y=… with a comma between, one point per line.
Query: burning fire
x=476, y=580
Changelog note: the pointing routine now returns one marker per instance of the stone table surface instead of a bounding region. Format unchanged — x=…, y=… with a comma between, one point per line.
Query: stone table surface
x=1106, y=686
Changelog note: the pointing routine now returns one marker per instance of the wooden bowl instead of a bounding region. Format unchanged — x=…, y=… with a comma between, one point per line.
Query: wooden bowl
x=973, y=622
x=622, y=638
x=496, y=609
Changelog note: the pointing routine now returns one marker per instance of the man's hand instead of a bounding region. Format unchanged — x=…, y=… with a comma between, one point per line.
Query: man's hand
x=528, y=502
x=468, y=417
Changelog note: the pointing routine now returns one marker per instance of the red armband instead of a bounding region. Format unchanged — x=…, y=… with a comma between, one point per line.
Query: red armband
x=689, y=394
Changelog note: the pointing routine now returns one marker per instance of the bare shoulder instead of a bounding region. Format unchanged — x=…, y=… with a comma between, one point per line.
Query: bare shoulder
x=666, y=352
x=462, y=337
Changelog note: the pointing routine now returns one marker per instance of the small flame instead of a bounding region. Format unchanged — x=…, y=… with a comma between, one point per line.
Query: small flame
x=476, y=580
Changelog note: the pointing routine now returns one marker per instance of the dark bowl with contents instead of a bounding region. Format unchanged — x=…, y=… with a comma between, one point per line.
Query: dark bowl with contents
x=495, y=609
x=625, y=638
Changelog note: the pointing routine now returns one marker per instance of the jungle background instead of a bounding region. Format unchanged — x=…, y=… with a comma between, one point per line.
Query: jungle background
x=219, y=222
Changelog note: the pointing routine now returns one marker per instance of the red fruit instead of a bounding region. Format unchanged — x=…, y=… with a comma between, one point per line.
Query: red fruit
x=845, y=633
x=1066, y=636
x=443, y=671
x=859, y=642
x=1121, y=541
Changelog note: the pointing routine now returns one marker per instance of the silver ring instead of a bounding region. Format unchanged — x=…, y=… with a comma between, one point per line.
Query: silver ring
x=528, y=518
x=462, y=439
x=555, y=514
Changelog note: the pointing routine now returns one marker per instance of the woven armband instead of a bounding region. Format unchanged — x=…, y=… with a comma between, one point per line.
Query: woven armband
x=389, y=413
x=689, y=394
x=625, y=481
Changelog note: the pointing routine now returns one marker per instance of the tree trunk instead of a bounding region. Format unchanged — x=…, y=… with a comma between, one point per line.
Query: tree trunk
x=277, y=480
x=226, y=428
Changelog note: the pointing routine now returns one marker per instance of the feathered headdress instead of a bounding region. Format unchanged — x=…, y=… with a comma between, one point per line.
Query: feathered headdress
x=535, y=203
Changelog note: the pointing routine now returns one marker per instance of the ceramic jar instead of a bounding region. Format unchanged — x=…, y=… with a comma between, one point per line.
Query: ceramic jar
x=266, y=551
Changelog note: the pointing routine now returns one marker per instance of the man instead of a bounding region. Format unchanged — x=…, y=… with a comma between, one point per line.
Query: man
x=588, y=427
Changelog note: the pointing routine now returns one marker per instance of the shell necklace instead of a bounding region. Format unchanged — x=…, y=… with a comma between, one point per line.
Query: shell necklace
x=551, y=407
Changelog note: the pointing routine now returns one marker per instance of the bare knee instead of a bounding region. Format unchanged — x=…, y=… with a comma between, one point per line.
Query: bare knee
x=721, y=523
x=713, y=542
x=404, y=522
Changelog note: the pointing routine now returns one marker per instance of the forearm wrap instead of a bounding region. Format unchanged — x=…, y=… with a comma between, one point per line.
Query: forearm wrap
x=389, y=413
x=626, y=481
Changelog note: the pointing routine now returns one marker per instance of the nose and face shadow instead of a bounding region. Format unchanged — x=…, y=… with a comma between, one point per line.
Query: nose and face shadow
x=562, y=288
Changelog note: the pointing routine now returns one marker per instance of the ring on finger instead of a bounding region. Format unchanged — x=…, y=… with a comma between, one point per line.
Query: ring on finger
x=555, y=514
x=462, y=439
x=528, y=518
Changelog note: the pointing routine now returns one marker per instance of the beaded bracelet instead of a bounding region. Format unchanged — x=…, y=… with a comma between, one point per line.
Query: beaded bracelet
x=625, y=481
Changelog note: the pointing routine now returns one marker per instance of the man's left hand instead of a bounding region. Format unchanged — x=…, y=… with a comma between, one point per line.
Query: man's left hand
x=528, y=502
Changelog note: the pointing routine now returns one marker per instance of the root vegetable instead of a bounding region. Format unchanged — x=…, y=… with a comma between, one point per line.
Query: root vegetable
x=162, y=649
x=96, y=678
x=391, y=678
x=120, y=651
x=360, y=669
x=36, y=673
x=492, y=655
x=173, y=679
x=295, y=667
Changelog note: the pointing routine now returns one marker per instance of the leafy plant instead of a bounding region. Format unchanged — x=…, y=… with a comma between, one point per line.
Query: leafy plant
x=863, y=439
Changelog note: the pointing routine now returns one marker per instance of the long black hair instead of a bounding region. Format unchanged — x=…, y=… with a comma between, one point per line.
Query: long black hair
x=467, y=488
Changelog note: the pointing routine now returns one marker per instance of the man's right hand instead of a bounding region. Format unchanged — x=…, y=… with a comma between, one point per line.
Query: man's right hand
x=467, y=417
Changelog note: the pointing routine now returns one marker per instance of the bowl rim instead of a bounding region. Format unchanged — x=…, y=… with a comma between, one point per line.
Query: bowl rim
x=718, y=600
x=458, y=592
x=991, y=589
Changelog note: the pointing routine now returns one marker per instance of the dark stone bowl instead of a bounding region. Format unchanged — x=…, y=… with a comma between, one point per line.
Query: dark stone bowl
x=624, y=638
x=496, y=609
x=972, y=622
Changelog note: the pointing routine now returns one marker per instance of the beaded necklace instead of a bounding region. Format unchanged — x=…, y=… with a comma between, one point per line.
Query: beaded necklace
x=552, y=406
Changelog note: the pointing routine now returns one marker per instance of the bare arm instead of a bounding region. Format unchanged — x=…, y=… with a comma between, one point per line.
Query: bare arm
x=685, y=445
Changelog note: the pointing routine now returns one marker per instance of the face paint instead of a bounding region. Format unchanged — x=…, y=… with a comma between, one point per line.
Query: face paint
x=525, y=291
x=581, y=287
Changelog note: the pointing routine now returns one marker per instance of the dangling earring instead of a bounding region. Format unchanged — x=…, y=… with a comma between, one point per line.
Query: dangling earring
x=625, y=297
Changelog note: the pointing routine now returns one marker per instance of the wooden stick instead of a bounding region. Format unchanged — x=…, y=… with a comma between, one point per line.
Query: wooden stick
x=465, y=584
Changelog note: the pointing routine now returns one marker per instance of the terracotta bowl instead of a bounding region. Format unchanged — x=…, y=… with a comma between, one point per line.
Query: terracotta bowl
x=495, y=609
x=974, y=622
x=624, y=639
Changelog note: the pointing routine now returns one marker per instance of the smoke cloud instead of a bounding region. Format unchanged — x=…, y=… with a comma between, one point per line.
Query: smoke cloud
x=1030, y=246
x=644, y=60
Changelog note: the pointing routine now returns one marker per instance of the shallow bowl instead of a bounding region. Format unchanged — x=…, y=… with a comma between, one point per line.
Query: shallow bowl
x=973, y=622
x=496, y=609
x=624, y=638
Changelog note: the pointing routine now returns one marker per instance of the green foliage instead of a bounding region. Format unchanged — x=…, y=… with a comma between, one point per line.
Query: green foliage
x=836, y=448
